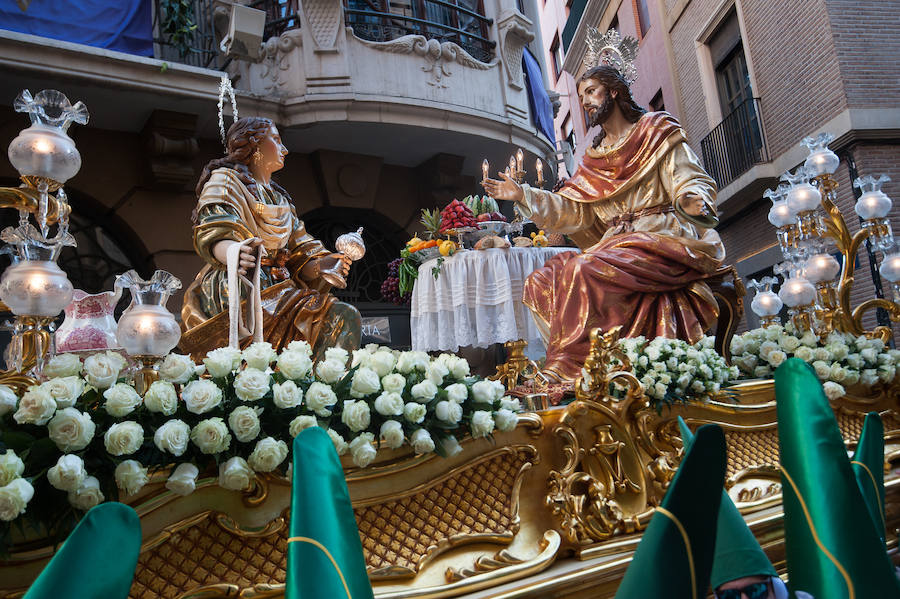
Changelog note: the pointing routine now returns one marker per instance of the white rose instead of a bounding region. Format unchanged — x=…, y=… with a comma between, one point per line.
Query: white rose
x=251, y=384
x=319, y=398
x=435, y=372
x=183, y=480
x=71, y=430
x=11, y=467
x=508, y=403
x=488, y=392
x=176, y=368
x=765, y=348
x=235, y=474
x=131, y=476
x=737, y=345
x=449, y=446
x=482, y=424
x=201, y=396
x=211, y=436
x=412, y=360
x=338, y=354
x=805, y=353
x=869, y=355
x=161, y=397
x=851, y=378
x=87, y=495
x=759, y=372
x=414, y=412
x=424, y=392
x=301, y=423
x=124, y=438
x=173, y=436
x=64, y=390
x=393, y=383
x=421, y=441
x=356, y=415
x=268, y=454
x=222, y=361
x=448, y=411
x=833, y=390
x=838, y=373
x=365, y=382
x=361, y=357
x=868, y=377
x=68, y=473
x=259, y=355
x=8, y=400
x=382, y=362
x=392, y=433
x=121, y=400
x=102, y=370
x=287, y=395
x=62, y=365
x=362, y=450
x=389, y=404
x=14, y=497
x=301, y=346
x=506, y=420
x=330, y=371
x=823, y=369
x=457, y=392
x=244, y=423
x=789, y=343
x=294, y=364
x=340, y=446
x=887, y=373
x=777, y=357
x=35, y=407
x=459, y=368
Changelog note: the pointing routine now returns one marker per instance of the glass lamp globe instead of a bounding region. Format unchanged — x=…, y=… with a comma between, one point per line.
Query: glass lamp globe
x=766, y=303
x=797, y=291
x=821, y=160
x=147, y=328
x=873, y=205
x=780, y=215
x=821, y=267
x=35, y=288
x=890, y=268
x=803, y=197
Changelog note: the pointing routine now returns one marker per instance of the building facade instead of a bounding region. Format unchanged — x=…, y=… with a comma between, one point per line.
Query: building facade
x=386, y=108
x=748, y=80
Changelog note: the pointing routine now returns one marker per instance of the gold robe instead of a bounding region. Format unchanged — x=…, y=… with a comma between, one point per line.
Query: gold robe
x=227, y=210
x=644, y=260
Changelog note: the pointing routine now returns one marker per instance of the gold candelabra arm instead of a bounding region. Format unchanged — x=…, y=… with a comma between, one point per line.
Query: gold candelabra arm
x=27, y=198
x=880, y=332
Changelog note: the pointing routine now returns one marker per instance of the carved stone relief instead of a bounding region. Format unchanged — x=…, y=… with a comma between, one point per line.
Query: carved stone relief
x=515, y=33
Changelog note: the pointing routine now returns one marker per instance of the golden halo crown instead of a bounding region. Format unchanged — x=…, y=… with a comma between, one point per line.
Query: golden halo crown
x=612, y=50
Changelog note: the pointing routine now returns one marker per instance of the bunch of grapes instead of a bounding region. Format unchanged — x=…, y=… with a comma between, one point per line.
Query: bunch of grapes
x=390, y=288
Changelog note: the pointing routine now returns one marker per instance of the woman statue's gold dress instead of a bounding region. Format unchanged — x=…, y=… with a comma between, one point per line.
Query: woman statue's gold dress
x=238, y=201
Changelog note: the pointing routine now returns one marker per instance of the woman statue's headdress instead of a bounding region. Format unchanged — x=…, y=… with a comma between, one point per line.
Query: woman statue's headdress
x=225, y=87
x=612, y=50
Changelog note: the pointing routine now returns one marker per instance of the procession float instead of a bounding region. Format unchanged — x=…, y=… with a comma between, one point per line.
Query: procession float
x=532, y=482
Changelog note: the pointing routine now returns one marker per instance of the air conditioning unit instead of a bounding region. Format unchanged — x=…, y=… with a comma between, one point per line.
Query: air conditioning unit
x=245, y=33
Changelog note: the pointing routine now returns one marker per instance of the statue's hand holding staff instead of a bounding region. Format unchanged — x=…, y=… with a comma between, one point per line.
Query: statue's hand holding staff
x=693, y=205
x=505, y=189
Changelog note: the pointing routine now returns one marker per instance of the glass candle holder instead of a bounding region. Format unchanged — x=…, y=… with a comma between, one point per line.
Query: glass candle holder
x=147, y=328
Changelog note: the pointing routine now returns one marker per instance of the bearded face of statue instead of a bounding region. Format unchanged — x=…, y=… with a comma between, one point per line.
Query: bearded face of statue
x=596, y=100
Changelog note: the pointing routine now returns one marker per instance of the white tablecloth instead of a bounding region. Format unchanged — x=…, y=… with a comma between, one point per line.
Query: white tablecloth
x=477, y=300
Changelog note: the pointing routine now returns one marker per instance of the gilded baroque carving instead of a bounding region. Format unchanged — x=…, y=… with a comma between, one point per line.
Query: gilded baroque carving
x=438, y=55
x=276, y=52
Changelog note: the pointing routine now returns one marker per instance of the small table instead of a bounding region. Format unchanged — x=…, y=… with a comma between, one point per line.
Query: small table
x=476, y=300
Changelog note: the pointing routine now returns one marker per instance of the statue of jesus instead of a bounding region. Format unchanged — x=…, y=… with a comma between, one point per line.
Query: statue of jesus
x=642, y=210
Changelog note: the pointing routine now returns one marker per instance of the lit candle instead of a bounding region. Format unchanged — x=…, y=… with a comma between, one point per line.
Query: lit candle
x=822, y=267
x=766, y=303
x=145, y=325
x=512, y=164
x=520, y=160
x=485, y=169
x=539, y=166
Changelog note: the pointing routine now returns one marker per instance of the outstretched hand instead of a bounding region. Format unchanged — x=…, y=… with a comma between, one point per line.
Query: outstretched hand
x=506, y=189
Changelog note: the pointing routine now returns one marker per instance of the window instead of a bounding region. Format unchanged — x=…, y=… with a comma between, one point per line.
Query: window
x=643, y=16
x=568, y=132
x=733, y=80
x=556, y=58
x=614, y=24
x=657, y=104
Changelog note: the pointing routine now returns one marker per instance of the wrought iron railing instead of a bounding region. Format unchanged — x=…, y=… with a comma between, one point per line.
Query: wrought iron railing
x=189, y=38
x=736, y=144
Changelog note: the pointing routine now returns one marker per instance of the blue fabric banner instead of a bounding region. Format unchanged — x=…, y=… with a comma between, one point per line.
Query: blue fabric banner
x=121, y=25
x=538, y=100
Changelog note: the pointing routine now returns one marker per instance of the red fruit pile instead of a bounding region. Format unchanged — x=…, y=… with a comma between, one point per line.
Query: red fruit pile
x=456, y=215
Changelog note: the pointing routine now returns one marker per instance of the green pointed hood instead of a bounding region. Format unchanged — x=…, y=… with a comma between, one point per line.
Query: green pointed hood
x=98, y=559
x=738, y=554
x=833, y=548
x=675, y=555
x=325, y=556
x=868, y=465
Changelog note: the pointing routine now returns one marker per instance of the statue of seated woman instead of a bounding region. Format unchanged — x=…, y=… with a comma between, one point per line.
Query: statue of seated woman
x=238, y=201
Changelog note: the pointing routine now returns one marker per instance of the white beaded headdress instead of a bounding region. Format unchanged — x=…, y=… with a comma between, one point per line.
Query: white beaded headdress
x=611, y=49
x=225, y=88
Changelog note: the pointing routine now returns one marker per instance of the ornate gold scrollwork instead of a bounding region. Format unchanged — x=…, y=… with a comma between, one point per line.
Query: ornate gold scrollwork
x=519, y=367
